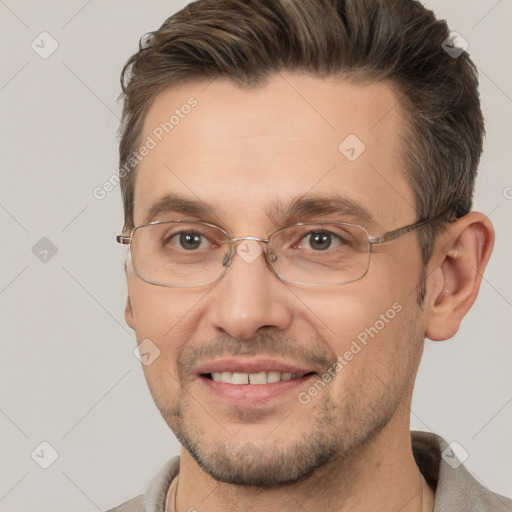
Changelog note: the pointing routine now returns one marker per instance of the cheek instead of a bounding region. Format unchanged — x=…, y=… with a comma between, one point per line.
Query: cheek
x=168, y=318
x=368, y=322
x=340, y=315
x=377, y=358
x=157, y=310
x=161, y=321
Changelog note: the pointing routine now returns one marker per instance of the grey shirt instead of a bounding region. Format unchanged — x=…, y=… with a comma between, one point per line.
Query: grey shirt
x=456, y=490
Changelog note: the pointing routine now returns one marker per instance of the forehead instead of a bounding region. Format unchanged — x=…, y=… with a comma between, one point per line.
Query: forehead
x=245, y=152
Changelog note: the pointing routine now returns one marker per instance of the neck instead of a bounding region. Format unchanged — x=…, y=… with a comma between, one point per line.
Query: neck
x=380, y=475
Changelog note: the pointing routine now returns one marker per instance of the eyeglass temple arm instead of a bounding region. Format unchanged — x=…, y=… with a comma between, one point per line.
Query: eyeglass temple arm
x=396, y=233
x=120, y=239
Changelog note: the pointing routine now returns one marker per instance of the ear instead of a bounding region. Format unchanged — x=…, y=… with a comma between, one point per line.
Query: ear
x=464, y=252
x=128, y=313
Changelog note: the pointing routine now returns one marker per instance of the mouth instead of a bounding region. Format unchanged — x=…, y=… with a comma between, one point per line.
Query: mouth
x=250, y=382
x=260, y=378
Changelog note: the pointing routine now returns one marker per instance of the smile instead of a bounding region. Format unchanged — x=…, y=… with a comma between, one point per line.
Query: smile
x=264, y=377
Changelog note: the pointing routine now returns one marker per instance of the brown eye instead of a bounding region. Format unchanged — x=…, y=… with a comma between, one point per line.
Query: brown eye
x=320, y=240
x=189, y=240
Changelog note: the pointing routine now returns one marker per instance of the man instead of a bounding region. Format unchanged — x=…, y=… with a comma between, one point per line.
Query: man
x=297, y=180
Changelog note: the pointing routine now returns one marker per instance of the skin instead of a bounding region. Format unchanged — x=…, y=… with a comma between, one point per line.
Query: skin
x=243, y=151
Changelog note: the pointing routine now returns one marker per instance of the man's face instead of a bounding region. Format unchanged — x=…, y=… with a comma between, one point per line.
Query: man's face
x=248, y=154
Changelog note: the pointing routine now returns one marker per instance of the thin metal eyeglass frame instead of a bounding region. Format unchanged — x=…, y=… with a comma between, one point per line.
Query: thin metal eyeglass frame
x=372, y=240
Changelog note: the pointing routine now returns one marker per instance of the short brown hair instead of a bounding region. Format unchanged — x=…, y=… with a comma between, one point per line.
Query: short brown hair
x=398, y=41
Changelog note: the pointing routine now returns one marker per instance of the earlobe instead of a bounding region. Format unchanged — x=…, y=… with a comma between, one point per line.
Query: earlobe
x=465, y=252
x=128, y=313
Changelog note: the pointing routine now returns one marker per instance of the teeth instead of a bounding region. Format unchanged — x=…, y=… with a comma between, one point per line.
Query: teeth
x=253, y=378
x=225, y=376
x=273, y=376
x=240, y=378
x=258, y=378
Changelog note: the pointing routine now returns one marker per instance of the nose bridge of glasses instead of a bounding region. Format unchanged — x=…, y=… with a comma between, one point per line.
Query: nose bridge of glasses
x=228, y=257
x=255, y=238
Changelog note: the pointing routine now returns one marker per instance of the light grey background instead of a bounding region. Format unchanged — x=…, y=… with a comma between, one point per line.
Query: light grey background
x=68, y=374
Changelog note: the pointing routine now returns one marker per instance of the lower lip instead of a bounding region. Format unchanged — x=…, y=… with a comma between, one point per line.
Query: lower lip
x=249, y=395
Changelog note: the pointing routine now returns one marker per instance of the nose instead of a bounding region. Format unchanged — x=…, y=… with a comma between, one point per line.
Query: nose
x=250, y=296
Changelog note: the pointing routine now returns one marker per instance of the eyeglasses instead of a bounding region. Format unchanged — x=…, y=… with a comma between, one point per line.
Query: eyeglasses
x=180, y=253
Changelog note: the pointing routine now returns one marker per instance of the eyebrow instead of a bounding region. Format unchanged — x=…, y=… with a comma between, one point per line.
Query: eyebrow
x=297, y=210
x=339, y=207
x=173, y=203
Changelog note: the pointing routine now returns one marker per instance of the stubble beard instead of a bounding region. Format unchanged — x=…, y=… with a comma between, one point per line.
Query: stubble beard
x=336, y=430
x=334, y=435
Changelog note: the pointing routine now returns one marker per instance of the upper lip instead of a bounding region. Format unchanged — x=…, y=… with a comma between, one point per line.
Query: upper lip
x=251, y=365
